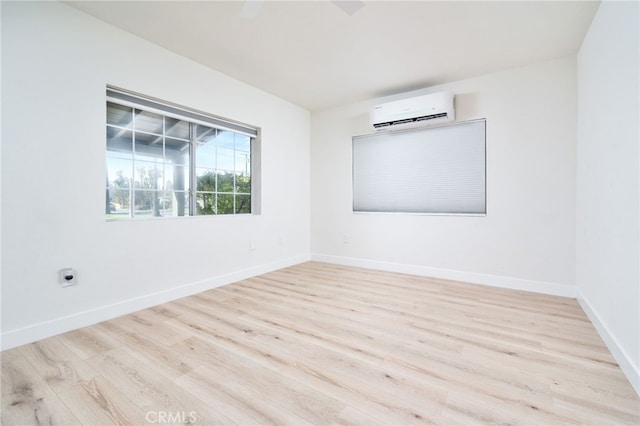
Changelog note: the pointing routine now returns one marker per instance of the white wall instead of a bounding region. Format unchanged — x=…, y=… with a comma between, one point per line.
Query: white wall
x=526, y=240
x=56, y=62
x=608, y=215
x=55, y=65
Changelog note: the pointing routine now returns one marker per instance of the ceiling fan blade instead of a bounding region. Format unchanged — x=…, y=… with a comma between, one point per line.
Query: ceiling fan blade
x=350, y=7
x=251, y=8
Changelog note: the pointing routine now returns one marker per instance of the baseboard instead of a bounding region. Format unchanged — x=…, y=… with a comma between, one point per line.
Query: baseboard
x=619, y=354
x=32, y=333
x=565, y=290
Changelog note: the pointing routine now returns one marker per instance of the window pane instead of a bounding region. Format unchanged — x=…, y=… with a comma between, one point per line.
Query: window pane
x=225, y=204
x=119, y=115
x=243, y=143
x=176, y=128
x=178, y=205
x=206, y=180
x=225, y=159
x=148, y=122
x=165, y=204
x=176, y=167
x=147, y=203
x=226, y=139
x=243, y=184
x=141, y=200
x=119, y=172
x=118, y=204
x=243, y=203
x=225, y=182
x=175, y=148
x=148, y=175
x=206, y=204
x=120, y=142
x=176, y=177
x=206, y=154
x=205, y=134
x=243, y=163
x=148, y=146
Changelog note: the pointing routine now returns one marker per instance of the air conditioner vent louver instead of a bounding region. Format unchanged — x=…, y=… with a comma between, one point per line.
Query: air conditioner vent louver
x=414, y=112
x=410, y=120
x=431, y=117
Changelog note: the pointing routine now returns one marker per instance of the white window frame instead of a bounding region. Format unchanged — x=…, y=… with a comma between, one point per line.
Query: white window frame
x=193, y=117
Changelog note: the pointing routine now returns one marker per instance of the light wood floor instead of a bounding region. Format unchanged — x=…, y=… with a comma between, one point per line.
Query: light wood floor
x=322, y=344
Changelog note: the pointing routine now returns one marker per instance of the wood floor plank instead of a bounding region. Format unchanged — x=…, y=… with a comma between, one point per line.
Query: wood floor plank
x=26, y=397
x=242, y=404
x=86, y=342
x=327, y=345
x=148, y=349
x=293, y=396
x=98, y=402
x=57, y=365
x=150, y=389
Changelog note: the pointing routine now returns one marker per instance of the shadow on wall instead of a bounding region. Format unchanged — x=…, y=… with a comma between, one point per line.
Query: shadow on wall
x=466, y=105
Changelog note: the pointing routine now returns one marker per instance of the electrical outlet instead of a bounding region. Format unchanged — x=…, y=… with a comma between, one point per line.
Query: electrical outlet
x=67, y=277
x=346, y=239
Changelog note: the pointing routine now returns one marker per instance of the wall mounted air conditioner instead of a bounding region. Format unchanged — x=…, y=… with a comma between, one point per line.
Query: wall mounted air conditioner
x=414, y=112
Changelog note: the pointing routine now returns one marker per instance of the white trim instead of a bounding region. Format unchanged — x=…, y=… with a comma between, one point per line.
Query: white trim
x=619, y=354
x=556, y=289
x=32, y=333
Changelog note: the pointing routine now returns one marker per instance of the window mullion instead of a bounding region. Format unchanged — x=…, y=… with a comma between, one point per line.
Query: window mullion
x=132, y=181
x=193, y=182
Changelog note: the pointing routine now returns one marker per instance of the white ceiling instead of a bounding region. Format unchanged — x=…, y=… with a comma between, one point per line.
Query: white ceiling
x=316, y=55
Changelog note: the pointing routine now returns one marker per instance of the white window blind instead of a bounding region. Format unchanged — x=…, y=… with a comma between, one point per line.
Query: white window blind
x=438, y=170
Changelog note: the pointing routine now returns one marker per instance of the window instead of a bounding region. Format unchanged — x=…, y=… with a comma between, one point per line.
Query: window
x=438, y=170
x=169, y=161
